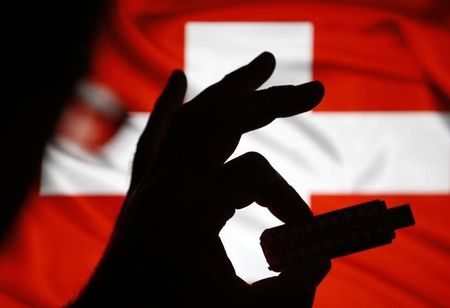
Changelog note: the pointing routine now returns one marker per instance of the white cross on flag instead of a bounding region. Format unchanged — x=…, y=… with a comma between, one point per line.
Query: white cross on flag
x=382, y=131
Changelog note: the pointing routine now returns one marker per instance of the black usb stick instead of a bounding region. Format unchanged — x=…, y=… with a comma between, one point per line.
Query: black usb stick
x=335, y=234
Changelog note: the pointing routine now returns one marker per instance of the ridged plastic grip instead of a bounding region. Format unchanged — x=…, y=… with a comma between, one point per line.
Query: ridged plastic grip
x=334, y=234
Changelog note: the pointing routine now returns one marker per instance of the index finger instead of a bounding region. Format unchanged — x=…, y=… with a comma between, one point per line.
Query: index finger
x=211, y=132
x=259, y=108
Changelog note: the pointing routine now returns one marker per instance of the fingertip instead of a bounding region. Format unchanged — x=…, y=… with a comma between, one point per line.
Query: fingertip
x=320, y=88
x=316, y=90
x=265, y=58
x=178, y=75
x=269, y=58
x=177, y=83
x=261, y=68
x=177, y=72
x=313, y=91
x=173, y=92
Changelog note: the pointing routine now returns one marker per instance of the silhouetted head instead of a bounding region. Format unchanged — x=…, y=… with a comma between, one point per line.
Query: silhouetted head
x=47, y=46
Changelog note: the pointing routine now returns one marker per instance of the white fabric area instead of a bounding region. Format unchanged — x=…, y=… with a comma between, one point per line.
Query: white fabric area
x=316, y=153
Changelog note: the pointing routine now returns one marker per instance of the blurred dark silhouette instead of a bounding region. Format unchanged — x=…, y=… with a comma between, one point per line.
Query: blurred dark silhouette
x=46, y=49
x=165, y=247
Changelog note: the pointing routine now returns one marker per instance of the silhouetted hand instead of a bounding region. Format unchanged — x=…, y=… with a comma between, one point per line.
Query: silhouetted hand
x=166, y=246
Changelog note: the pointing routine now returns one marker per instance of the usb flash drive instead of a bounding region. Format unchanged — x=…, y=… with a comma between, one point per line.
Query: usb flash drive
x=335, y=234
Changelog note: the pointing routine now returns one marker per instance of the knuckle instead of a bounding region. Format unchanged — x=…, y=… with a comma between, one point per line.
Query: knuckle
x=227, y=77
x=256, y=160
x=231, y=77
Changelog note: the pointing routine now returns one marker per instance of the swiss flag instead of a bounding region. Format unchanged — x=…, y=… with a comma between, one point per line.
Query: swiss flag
x=382, y=132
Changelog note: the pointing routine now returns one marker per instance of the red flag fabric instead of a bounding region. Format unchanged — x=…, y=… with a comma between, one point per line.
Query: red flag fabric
x=386, y=69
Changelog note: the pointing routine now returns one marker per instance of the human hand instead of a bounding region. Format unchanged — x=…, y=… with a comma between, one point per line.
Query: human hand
x=183, y=191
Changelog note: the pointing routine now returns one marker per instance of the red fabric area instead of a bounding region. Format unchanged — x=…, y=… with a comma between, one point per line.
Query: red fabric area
x=410, y=272
x=372, y=56
x=53, y=248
